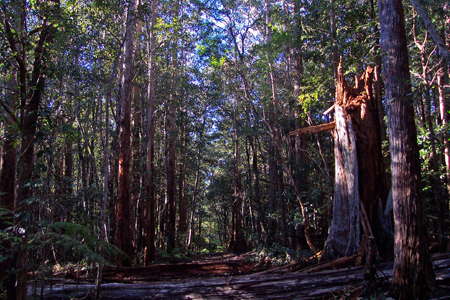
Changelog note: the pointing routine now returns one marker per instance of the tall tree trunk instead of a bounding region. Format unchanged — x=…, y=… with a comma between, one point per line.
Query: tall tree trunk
x=413, y=273
x=122, y=214
x=172, y=134
x=275, y=172
x=237, y=242
x=31, y=82
x=294, y=146
x=150, y=205
x=182, y=201
x=171, y=168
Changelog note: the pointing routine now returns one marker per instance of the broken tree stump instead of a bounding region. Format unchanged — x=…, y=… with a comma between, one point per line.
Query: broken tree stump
x=360, y=178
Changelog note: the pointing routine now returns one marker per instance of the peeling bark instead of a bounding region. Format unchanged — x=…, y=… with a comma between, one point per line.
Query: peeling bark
x=344, y=232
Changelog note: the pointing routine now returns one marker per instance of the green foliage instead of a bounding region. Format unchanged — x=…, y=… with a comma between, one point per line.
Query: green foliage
x=78, y=242
x=276, y=254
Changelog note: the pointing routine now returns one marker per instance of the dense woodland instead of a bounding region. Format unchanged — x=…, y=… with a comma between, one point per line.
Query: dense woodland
x=136, y=132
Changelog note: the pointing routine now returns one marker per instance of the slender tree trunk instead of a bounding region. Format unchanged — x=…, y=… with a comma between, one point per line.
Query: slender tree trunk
x=237, y=242
x=106, y=171
x=182, y=201
x=294, y=146
x=257, y=191
x=135, y=165
x=123, y=225
x=171, y=140
x=171, y=171
x=68, y=166
x=275, y=161
x=413, y=273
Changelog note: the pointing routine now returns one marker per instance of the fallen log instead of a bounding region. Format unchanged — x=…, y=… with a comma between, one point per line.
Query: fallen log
x=337, y=263
x=177, y=271
x=223, y=265
x=298, y=285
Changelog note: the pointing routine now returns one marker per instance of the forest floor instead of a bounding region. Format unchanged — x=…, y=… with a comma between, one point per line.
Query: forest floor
x=230, y=276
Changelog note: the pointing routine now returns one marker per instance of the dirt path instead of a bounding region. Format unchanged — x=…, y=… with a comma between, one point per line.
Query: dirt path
x=347, y=282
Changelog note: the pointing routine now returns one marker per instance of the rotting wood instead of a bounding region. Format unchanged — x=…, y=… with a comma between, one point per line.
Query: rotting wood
x=314, y=129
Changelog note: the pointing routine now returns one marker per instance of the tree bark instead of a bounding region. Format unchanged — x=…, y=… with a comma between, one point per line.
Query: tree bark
x=150, y=205
x=122, y=237
x=413, y=274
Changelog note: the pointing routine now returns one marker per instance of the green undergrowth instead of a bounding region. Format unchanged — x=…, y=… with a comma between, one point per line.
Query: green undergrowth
x=280, y=255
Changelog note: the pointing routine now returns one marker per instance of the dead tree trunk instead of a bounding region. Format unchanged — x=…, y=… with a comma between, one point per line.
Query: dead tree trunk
x=344, y=232
x=360, y=190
